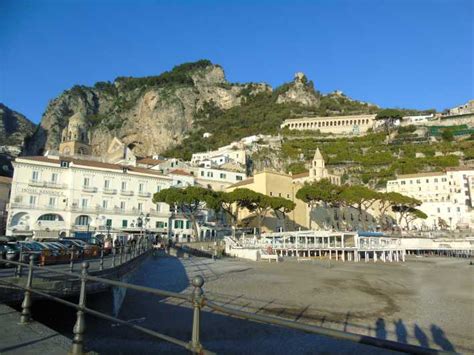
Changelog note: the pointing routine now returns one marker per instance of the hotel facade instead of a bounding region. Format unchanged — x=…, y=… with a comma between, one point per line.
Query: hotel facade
x=59, y=197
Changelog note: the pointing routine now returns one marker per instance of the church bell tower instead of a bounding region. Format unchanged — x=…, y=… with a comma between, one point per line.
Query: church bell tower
x=75, y=138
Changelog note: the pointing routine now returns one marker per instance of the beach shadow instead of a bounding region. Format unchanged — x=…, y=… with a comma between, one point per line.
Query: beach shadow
x=440, y=338
x=380, y=331
x=421, y=336
x=401, y=331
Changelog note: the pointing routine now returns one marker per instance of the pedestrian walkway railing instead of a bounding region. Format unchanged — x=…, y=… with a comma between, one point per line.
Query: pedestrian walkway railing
x=197, y=300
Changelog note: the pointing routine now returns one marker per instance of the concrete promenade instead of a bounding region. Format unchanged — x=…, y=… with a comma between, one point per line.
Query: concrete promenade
x=32, y=338
x=61, y=285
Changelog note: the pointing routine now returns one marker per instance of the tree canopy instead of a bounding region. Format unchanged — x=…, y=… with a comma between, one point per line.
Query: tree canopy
x=189, y=201
x=322, y=191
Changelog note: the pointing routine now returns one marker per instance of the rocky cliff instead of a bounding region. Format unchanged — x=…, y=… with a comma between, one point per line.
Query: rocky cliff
x=14, y=127
x=166, y=113
x=150, y=114
x=300, y=91
x=14, y=130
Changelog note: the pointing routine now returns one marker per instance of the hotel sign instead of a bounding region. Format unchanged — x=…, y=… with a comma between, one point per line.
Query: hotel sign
x=31, y=190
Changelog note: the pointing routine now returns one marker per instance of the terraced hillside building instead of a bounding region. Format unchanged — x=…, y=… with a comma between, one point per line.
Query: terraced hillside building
x=447, y=196
x=345, y=125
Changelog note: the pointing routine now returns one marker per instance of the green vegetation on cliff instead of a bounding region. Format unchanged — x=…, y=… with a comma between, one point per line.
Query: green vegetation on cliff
x=179, y=75
x=258, y=114
x=371, y=161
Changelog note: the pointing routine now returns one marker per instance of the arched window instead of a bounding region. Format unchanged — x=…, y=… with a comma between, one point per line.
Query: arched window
x=51, y=217
x=83, y=220
x=21, y=218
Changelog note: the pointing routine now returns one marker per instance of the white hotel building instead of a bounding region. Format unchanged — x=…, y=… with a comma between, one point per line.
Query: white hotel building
x=447, y=196
x=61, y=196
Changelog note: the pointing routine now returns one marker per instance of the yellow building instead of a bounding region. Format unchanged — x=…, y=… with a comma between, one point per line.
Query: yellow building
x=275, y=184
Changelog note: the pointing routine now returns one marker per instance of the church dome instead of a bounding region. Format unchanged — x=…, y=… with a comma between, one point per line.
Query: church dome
x=76, y=129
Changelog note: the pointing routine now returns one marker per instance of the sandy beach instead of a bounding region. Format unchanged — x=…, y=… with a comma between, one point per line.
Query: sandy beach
x=425, y=301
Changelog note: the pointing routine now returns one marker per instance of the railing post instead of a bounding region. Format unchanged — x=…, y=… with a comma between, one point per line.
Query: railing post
x=18, y=270
x=80, y=326
x=26, y=304
x=114, y=251
x=71, y=262
x=121, y=255
x=101, y=262
x=197, y=282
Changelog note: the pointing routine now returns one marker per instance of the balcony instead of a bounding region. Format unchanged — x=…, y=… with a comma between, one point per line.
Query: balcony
x=54, y=185
x=22, y=206
x=144, y=194
x=48, y=184
x=84, y=209
x=108, y=191
x=155, y=213
x=126, y=193
x=36, y=183
x=89, y=189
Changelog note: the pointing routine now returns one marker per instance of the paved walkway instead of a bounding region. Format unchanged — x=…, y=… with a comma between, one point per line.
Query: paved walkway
x=94, y=266
x=32, y=338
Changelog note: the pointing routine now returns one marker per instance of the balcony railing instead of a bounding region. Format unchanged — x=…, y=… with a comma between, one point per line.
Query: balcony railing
x=48, y=184
x=34, y=207
x=89, y=189
x=108, y=191
x=155, y=213
x=36, y=183
x=144, y=194
x=93, y=210
x=54, y=185
x=126, y=192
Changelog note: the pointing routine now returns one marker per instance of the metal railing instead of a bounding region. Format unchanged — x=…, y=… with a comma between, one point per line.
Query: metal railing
x=197, y=300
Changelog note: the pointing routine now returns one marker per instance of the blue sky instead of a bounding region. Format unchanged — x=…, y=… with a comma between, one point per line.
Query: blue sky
x=398, y=53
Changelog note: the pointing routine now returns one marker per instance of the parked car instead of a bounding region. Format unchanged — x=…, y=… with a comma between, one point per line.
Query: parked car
x=89, y=249
x=3, y=254
x=79, y=249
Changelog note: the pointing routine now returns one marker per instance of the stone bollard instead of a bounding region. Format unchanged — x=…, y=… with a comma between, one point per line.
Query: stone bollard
x=26, y=304
x=71, y=263
x=198, y=299
x=80, y=326
x=114, y=251
x=18, y=270
x=101, y=262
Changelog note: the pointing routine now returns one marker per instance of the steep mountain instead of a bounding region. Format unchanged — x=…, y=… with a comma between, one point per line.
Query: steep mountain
x=14, y=127
x=169, y=113
x=151, y=114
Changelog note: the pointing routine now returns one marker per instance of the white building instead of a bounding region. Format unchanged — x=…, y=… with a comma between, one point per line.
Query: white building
x=54, y=196
x=447, y=196
x=217, y=179
x=221, y=156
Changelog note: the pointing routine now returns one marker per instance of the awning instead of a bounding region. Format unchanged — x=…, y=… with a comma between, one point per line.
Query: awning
x=46, y=234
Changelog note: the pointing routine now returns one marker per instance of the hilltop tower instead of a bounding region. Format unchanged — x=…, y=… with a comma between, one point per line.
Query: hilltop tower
x=75, y=138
